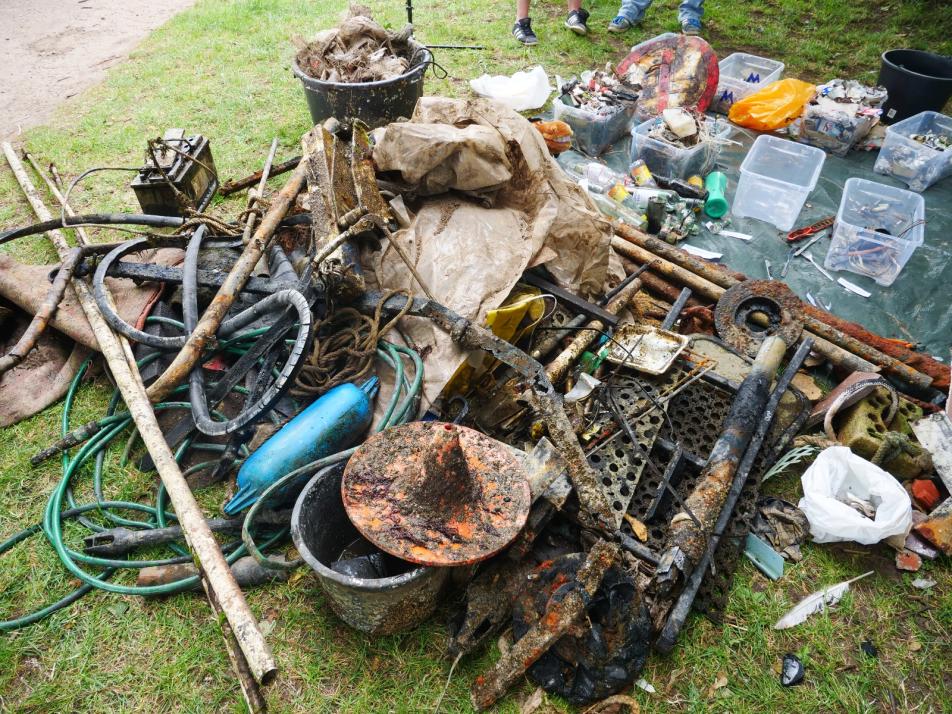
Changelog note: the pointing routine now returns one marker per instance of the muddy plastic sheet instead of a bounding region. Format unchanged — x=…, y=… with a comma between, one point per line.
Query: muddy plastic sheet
x=916, y=307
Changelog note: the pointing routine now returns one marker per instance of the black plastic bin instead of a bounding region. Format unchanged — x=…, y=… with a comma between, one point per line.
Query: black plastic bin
x=917, y=82
x=374, y=103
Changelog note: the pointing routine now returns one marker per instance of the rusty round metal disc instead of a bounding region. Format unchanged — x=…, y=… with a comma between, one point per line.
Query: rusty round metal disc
x=436, y=494
x=736, y=310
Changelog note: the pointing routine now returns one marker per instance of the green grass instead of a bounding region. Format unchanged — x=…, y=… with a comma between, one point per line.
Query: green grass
x=222, y=68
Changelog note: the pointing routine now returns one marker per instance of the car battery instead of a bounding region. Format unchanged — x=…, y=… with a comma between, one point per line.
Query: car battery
x=176, y=164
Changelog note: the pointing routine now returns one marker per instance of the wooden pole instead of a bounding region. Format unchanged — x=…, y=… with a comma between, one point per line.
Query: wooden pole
x=220, y=585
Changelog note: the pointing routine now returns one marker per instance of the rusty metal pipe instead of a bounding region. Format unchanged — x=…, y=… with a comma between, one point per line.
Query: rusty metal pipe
x=704, y=287
x=691, y=527
x=207, y=325
x=827, y=334
x=678, y=613
x=560, y=366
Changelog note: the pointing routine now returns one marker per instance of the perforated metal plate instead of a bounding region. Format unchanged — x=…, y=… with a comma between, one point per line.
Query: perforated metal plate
x=619, y=463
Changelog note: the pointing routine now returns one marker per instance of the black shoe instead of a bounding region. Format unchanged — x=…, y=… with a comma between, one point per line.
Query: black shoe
x=576, y=21
x=522, y=31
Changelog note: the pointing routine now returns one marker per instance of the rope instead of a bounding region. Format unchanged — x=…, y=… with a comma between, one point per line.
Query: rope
x=344, y=347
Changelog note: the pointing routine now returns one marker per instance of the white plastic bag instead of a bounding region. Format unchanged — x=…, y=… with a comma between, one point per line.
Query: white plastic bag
x=520, y=92
x=837, y=474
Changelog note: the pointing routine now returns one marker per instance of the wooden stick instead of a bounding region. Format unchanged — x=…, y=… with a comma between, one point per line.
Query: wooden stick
x=208, y=323
x=217, y=575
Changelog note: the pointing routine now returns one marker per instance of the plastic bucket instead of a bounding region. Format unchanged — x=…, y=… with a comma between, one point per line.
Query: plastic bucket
x=917, y=81
x=373, y=103
x=380, y=606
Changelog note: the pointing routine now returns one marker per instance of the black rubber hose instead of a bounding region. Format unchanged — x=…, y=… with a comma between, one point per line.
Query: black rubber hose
x=282, y=298
x=119, y=219
x=109, y=219
x=190, y=271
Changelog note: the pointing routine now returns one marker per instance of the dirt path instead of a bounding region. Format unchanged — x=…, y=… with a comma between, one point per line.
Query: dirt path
x=51, y=50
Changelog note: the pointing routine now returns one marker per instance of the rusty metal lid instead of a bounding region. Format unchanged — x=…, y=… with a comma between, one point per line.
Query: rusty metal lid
x=436, y=494
x=776, y=305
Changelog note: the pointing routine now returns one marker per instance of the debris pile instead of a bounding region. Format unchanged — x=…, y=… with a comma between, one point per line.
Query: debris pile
x=436, y=362
x=839, y=116
x=357, y=50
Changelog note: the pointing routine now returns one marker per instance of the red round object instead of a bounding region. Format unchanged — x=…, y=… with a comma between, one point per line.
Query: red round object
x=673, y=71
x=436, y=494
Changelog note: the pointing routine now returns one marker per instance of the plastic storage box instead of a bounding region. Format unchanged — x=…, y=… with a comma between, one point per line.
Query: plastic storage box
x=741, y=75
x=593, y=133
x=912, y=162
x=877, y=229
x=775, y=179
x=672, y=161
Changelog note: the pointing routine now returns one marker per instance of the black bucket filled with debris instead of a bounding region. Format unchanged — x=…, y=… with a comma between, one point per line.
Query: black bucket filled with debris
x=369, y=590
x=360, y=70
x=917, y=81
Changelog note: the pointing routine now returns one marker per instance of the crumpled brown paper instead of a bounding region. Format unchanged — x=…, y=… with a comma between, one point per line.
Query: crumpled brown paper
x=469, y=256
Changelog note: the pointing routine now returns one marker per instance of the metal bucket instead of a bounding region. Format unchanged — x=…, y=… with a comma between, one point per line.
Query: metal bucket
x=321, y=530
x=374, y=103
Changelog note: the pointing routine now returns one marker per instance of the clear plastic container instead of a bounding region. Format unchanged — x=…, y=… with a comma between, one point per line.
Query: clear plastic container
x=672, y=161
x=593, y=133
x=741, y=75
x=877, y=229
x=907, y=160
x=775, y=179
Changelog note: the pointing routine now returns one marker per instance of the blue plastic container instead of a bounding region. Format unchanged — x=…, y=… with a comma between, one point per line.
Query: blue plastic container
x=332, y=423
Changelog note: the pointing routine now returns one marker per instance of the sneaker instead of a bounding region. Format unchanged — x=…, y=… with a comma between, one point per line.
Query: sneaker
x=621, y=24
x=522, y=31
x=691, y=26
x=576, y=22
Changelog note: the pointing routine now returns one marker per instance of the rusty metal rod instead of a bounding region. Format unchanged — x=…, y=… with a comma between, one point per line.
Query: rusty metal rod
x=220, y=586
x=682, y=606
x=704, y=287
x=208, y=324
x=559, y=616
x=691, y=527
x=819, y=329
x=43, y=316
x=230, y=187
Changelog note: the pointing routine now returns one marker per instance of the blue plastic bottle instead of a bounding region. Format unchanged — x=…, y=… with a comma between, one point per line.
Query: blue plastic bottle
x=331, y=424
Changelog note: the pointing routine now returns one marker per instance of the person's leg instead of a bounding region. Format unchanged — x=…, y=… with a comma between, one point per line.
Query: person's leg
x=689, y=15
x=633, y=10
x=522, y=30
x=577, y=18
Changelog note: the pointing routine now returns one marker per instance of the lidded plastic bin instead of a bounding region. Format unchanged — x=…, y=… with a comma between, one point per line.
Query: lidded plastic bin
x=741, y=75
x=673, y=161
x=918, y=165
x=877, y=229
x=592, y=132
x=775, y=179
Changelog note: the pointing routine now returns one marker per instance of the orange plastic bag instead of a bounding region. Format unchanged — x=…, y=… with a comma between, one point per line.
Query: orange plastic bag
x=774, y=106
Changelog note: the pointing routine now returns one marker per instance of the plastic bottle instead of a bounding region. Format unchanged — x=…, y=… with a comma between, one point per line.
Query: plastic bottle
x=716, y=185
